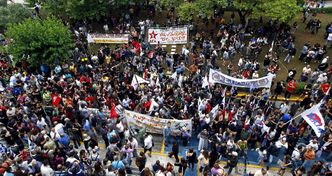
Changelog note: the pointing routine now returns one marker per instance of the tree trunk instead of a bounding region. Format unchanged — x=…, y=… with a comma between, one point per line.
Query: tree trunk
x=242, y=17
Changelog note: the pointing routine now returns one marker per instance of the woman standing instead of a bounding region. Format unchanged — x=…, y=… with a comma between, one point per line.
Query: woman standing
x=203, y=158
x=203, y=140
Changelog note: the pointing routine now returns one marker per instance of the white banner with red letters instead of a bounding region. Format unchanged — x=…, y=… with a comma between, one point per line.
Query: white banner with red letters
x=168, y=35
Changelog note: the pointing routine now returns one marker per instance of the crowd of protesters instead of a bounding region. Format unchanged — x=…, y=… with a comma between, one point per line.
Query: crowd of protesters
x=46, y=127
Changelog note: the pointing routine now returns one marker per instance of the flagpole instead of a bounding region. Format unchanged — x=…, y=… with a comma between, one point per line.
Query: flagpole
x=137, y=81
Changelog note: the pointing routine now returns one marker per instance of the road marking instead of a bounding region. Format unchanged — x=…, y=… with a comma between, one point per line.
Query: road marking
x=162, y=150
x=198, y=166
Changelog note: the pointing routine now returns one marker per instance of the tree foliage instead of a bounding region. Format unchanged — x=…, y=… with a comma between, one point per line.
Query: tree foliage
x=13, y=13
x=282, y=10
x=3, y=3
x=78, y=9
x=45, y=42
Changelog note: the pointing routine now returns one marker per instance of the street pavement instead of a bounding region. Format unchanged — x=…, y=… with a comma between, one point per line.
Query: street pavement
x=160, y=152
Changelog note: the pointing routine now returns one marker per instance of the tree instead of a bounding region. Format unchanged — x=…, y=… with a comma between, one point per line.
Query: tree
x=41, y=42
x=13, y=13
x=78, y=9
x=186, y=11
x=282, y=10
x=3, y=3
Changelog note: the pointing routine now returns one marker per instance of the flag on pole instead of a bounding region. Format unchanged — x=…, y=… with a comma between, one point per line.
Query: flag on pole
x=174, y=75
x=214, y=111
x=153, y=104
x=224, y=98
x=137, y=80
x=200, y=103
x=113, y=113
x=315, y=119
x=205, y=82
x=31, y=146
x=185, y=109
x=157, y=82
x=180, y=81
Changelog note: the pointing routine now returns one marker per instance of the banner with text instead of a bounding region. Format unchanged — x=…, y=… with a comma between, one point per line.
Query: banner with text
x=168, y=36
x=108, y=38
x=218, y=77
x=155, y=125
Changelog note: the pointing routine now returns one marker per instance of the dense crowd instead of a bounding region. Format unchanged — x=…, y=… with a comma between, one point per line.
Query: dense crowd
x=45, y=117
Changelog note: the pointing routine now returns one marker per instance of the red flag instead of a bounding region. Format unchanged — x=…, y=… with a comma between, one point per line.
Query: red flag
x=147, y=105
x=113, y=113
x=56, y=100
x=145, y=76
x=208, y=108
x=325, y=87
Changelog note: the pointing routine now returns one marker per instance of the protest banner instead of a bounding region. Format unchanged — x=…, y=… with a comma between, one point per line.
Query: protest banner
x=218, y=77
x=155, y=125
x=108, y=38
x=168, y=35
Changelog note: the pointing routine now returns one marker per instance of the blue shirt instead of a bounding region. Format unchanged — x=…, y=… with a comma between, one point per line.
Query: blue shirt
x=118, y=165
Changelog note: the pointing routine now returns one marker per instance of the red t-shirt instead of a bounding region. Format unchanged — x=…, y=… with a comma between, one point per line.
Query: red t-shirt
x=291, y=86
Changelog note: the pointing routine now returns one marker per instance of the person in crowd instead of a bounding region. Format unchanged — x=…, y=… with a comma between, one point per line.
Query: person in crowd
x=191, y=157
x=46, y=112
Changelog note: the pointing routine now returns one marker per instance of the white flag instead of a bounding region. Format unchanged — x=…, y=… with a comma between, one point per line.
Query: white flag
x=134, y=82
x=157, y=82
x=138, y=80
x=153, y=104
x=215, y=111
x=200, y=103
x=224, y=97
x=185, y=109
x=174, y=75
x=205, y=82
x=315, y=119
x=180, y=81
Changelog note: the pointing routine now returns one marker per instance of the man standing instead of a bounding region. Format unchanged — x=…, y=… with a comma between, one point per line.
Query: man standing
x=296, y=158
x=148, y=144
x=141, y=161
x=291, y=85
x=167, y=134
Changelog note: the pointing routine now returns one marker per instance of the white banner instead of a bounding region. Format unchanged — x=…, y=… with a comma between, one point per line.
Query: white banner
x=315, y=119
x=218, y=77
x=156, y=125
x=168, y=36
x=108, y=38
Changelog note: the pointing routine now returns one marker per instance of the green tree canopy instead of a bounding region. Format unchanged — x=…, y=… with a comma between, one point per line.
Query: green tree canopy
x=282, y=10
x=78, y=9
x=13, y=13
x=45, y=42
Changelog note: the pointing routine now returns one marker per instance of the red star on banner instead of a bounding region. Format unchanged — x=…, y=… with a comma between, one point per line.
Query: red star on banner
x=153, y=35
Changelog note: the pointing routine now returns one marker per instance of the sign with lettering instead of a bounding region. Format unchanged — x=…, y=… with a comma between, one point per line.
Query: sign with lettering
x=218, y=77
x=168, y=36
x=108, y=38
x=156, y=125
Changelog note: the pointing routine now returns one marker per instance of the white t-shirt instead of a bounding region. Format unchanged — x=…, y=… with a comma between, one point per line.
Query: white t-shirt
x=148, y=142
x=329, y=37
x=46, y=170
